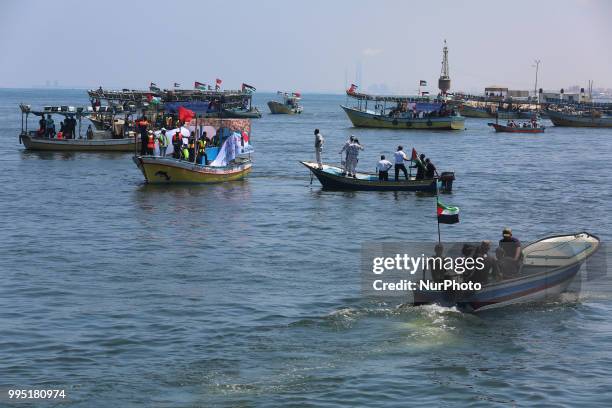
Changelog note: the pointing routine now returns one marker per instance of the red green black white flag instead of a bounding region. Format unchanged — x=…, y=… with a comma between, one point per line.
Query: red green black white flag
x=447, y=214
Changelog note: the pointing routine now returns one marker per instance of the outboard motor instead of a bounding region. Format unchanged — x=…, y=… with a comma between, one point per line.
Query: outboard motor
x=446, y=181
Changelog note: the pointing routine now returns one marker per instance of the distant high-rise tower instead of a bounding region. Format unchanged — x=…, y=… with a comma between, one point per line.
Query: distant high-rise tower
x=444, y=81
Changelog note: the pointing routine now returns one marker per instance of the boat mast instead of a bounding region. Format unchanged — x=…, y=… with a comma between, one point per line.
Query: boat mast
x=535, y=86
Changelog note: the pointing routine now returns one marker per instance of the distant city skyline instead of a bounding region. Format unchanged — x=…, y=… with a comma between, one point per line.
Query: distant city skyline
x=315, y=46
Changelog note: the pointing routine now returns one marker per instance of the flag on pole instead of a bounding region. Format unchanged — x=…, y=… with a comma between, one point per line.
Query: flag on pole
x=218, y=84
x=352, y=89
x=447, y=214
x=424, y=93
x=199, y=85
x=177, y=85
x=422, y=82
x=248, y=88
x=185, y=115
x=153, y=87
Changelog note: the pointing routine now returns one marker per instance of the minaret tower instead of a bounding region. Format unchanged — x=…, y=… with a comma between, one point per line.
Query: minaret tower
x=444, y=81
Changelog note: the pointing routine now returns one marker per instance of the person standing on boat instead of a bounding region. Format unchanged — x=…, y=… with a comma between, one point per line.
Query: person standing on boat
x=202, y=156
x=89, y=132
x=345, y=151
x=318, y=147
x=50, y=127
x=142, y=125
x=42, y=126
x=150, y=143
x=352, y=157
x=383, y=167
x=177, y=141
x=163, y=141
x=400, y=158
x=512, y=253
x=419, y=164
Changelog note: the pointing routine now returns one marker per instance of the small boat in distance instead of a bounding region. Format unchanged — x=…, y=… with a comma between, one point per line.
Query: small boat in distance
x=50, y=137
x=290, y=104
x=592, y=118
x=401, y=112
x=516, y=129
x=334, y=178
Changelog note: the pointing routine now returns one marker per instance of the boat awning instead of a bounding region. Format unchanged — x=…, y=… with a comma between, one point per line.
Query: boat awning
x=388, y=98
x=496, y=88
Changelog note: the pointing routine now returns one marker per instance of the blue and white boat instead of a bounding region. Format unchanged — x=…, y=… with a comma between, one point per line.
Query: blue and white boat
x=549, y=266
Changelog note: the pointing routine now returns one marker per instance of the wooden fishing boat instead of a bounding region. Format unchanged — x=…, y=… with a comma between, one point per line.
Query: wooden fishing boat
x=516, y=129
x=333, y=178
x=290, y=104
x=99, y=141
x=370, y=119
x=549, y=266
x=32, y=142
x=167, y=170
x=235, y=113
x=586, y=119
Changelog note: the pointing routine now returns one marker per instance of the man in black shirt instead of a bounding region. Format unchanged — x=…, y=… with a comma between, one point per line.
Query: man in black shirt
x=512, y=254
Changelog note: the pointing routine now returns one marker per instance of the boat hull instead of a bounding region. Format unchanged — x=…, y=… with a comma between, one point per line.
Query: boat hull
x=280, y=108
x=562, y=119
x=78, y=145
x=166, y=170
x=542, y=283
x=331, y=178
x=366, y=119
x=508, y=129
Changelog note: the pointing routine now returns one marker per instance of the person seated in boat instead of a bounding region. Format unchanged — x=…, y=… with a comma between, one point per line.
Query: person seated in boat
x=430, y=169
x=42, y=126
x=89, y=132
x=435, y=264
x=482, y=275
x=382, y=168
x=400, y=157
x=50, y=127
x=511, y=253
x=352, y=158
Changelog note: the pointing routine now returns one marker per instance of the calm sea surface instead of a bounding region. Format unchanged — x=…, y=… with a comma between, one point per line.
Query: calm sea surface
x=248, y=293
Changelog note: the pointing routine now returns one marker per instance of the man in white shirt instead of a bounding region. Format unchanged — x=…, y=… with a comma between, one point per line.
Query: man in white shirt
x=383, y=167
x=318, y=147
x=400, y=158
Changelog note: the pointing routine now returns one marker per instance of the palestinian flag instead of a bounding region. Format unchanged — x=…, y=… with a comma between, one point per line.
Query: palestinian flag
x=177, y=85
x=422, y=82
x=199, y=85
x=447, y=214
x=248, y=88
x=415, y=159
x=153, y=87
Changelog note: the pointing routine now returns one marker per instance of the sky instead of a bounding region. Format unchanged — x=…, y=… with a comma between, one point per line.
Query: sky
x=307, y=46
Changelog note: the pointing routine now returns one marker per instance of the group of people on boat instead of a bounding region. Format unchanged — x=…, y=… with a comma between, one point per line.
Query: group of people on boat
x=187, y=145
x=401, y=110
x=532, y=124
x=505, y=264
x=46, y=128
x=425, y=169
